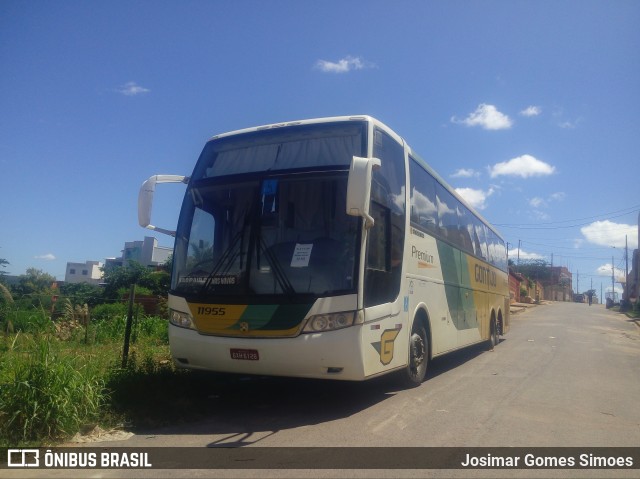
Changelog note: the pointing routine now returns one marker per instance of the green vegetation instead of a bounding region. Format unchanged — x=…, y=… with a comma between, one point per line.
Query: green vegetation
x=46, y=392
x=632, y=312
x=61, y=367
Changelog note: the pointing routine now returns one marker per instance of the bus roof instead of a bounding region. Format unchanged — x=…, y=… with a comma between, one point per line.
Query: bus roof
x=310, y=121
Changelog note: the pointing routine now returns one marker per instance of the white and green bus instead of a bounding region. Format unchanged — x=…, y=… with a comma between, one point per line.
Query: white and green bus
x=326, y=248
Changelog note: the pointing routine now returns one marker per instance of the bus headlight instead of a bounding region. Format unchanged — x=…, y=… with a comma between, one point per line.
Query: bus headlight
x=329, y=322
x=182, y=320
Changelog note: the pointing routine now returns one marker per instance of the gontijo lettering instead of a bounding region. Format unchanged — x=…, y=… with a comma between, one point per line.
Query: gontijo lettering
x=484, y=275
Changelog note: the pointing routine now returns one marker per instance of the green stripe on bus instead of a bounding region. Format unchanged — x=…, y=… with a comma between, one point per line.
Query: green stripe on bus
x=457, y=286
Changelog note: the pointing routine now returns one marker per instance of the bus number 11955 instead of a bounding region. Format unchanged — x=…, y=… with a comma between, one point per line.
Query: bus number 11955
x=211, y=311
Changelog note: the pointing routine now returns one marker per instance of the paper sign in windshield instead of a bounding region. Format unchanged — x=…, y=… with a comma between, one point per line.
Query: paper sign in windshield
x=301, y=255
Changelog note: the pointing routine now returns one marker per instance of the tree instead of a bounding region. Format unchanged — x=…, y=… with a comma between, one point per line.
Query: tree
x=122, y=277
x=158, y=282
x=34, y=288
x=168, y=265
x=83, y=293
x=536, y=270
x=119, y=277
x=3, y=264
x=35, y=281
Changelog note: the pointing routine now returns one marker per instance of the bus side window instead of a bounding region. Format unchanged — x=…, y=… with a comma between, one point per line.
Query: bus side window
x=465, y=225
x=480, y=239
x=423, y=198
x=447, y=215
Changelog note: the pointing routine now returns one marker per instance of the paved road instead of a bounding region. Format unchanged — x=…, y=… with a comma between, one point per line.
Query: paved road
x=566, y=375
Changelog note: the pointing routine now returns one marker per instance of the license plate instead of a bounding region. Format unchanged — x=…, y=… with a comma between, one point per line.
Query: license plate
x=245, y=354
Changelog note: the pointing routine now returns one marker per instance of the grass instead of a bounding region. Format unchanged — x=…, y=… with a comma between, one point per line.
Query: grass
x=632, y=313
x=45, y=393
x=56, y=379
x=151, y=393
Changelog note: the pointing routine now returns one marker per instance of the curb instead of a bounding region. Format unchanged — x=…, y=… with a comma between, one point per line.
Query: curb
x=516, y=308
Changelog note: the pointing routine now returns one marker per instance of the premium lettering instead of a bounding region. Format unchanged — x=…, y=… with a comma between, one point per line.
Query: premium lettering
x=421, y=255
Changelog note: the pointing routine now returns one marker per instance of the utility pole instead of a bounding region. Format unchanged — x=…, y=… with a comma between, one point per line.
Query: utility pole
x=519, y=245
x=551, y=282
x=613, y=283
x=626, y=269
x=127, y=329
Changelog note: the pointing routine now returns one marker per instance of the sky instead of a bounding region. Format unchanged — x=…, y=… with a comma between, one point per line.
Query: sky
x=528, y=108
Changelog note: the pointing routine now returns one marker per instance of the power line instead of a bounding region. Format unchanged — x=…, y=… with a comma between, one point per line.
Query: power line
x=547, y=226
x=567, y=247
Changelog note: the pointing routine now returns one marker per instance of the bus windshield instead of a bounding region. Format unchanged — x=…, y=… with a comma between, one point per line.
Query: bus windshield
x=247, y=229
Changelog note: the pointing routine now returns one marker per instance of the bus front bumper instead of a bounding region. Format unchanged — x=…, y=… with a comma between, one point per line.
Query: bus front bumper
x=328, y=355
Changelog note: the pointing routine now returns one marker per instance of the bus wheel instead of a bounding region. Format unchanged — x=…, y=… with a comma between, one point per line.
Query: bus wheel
x=494, y=337
x=416, y=370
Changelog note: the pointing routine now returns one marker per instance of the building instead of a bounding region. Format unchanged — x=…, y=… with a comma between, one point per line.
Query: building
x=551, y=283
x=559, y=286
x=88, y=272
x=146, y=252
x=634, y=277
x=515, y=279
x=632, y=283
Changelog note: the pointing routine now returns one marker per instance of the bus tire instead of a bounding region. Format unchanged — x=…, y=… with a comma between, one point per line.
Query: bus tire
x=415, y=372
x=494, y=334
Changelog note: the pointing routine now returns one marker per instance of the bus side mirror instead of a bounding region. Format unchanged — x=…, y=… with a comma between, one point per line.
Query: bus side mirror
x=145, y=200
x=359, y=188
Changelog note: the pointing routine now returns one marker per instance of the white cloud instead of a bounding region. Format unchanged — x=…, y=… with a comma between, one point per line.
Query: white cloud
x=523, y=166
x=343, y=65
x=607, y=233
x=523, y=255
x=476, y=198
x=531, y=111
x=465, y=173
x=605, y=270
x=487, y=117
x=132, y=89
x=537, y=202
x=46, y=257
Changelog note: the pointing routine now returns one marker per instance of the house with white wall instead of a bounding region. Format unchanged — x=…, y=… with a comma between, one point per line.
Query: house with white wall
x=146, y=252
x=88, y=272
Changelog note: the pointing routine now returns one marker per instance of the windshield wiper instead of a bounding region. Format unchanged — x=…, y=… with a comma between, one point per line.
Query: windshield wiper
x=278, y=272
x=226, y=260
